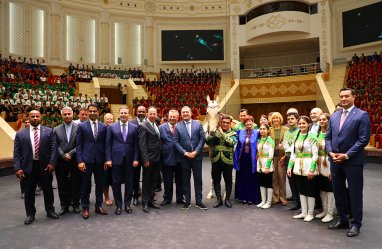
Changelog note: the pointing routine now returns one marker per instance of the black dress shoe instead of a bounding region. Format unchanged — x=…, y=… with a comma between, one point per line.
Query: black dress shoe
x=118, y=211
x=146, y=209
x=165, y=202
x=76, y=209
x=29, y=220
x=228, y=203
x=152, y=204
x=295, y=207
x=128, y=209
x=354, y=231
x=158, y=190
x=52, y=215
x=340, y=225
x=218, y=203
x=135, y=201
x=201, y=206
x=63, y=211
x=290, y=198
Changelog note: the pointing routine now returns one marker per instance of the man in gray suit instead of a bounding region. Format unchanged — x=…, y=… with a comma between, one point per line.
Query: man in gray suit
x=67, y=174
x=189, y=139
x=150, y=147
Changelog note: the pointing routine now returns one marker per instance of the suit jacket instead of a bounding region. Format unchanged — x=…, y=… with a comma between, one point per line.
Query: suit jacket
x=90, y=150
x=150, y=145
x=352, y=138
x=185, y=143
x=23, y=152
x=116, y=148
x=169, y=152
x=63, y=146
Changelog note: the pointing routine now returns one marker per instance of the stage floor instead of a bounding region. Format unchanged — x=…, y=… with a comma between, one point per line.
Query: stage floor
x=242, y=226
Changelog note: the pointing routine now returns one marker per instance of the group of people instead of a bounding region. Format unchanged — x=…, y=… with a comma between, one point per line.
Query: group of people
x=365, y=77
x=321, y=155
x=85, y=73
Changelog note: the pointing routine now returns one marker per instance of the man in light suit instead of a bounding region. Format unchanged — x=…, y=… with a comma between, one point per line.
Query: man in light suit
x=35, y=157
x=67, y=174
x=189, y=140
x=150, y=147
x=122, y=154
x=141, y=117
x=90, y=148
x=170, y=166
x=347, y=136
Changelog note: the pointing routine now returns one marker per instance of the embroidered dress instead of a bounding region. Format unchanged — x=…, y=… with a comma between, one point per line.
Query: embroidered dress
x=265, y=150
x=305, y=154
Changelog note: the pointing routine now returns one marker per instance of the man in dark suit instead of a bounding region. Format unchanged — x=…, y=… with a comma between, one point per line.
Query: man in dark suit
x=122, y=154
x=347, y=136
x=35, y=156
x=90, y=148
x=141, y=117
x=150, y=150
x=189, y=139
x=67, y=174
x=170, y=166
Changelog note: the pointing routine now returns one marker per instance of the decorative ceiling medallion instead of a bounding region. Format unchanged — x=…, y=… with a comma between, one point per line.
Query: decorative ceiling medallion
x=276, y=22
x=237, y=9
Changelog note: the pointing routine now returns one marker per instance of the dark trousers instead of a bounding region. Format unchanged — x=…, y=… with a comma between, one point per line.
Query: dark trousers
x=219, y=168
x=68, y=183
x=124, y=96
x=306, y=187
x=293, y=184
x=196, y=168
x=324, y=184
x=42, y=176
x=265, y=180
x=137, y=180
x=169, y=174
x=354, y=176
x=149, y=181
x=123, y=173
x=97, y=170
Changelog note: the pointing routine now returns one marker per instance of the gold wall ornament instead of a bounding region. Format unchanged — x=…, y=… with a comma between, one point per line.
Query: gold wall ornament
x=276, y=22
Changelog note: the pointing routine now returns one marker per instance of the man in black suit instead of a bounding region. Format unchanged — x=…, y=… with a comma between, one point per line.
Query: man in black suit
x=67, y=174
x=35, y=157
x=150, y=149
x=141, y=117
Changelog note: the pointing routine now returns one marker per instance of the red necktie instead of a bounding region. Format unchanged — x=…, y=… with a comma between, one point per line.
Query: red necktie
x=172, y=130
x=36, y=144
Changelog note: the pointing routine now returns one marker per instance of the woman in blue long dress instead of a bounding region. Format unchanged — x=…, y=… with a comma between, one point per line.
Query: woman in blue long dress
x=247, y=187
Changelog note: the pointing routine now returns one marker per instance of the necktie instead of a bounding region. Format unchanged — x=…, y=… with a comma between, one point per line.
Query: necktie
x=156, y=129
x=189, y=128
x=95, y=130
x=36, y=144
x=68, y=131
x=343, y=118
x=124, y=132
x=172, y=130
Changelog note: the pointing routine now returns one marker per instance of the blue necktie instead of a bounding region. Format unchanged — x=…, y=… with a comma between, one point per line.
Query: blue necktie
x=189, y=128
x=124, y=132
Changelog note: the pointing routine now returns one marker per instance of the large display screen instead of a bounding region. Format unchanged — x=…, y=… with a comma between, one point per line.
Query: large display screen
x=362, y=25
x=192, y=45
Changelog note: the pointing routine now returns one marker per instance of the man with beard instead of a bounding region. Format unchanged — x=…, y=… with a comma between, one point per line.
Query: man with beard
x=35, y=157
x=90, y=148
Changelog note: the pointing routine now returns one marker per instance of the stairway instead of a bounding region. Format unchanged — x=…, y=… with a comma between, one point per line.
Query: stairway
x=336, y=81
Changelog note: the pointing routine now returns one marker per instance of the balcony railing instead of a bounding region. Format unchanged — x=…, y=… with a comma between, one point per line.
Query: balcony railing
x=280, y=71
